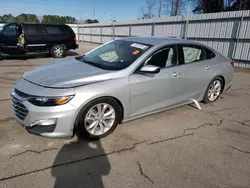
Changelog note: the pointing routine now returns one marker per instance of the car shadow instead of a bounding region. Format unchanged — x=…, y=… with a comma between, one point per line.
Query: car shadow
x=34, y=56
x=80, y=164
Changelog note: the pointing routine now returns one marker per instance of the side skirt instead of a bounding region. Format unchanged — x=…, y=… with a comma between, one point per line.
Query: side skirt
x=156, y=111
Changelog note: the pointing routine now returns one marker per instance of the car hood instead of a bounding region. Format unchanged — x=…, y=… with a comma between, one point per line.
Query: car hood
x=67, y=73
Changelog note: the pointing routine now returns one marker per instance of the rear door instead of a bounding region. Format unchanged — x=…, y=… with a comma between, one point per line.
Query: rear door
x=55, y=35
x=195, y=69
x=34, y=37
x=9, y=39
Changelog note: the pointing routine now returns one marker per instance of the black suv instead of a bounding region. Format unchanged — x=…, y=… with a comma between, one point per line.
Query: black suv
x=26, y=38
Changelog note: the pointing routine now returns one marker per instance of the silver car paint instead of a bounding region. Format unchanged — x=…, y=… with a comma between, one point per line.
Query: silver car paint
x=139, y=94
x=66, y=74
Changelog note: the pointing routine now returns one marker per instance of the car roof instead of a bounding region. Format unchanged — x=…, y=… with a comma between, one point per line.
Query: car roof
x=157, y=40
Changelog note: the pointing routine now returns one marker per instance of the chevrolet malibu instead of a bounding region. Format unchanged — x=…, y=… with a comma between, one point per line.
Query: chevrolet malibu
x=119, y=81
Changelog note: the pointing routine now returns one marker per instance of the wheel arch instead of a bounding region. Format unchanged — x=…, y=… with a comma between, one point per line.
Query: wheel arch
x=76, y=119
x=223, y=81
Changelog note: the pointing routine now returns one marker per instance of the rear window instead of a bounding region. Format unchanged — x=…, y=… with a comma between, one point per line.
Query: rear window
x=34, y=29
x=66, y=30
x=58, y=30
x=53, y=30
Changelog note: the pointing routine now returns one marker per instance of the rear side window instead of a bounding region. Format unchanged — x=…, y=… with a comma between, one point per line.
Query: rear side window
x=209, y=54
x=34, y=29
x=53, y=30
x=191, y=53
x=66, y=30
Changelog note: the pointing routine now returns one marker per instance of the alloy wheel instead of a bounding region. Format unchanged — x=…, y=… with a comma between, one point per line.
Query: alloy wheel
x=214, y=90
x=99, y=119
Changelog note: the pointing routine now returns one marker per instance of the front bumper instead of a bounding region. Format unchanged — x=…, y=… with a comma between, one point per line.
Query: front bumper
x=27, y=114
x=63, y=128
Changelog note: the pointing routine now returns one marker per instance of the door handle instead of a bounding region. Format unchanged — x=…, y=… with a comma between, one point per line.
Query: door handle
x=208, y=67
x=176, y=74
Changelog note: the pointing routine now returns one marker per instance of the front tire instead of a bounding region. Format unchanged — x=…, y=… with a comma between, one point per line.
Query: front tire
x=99, y=118
x=214, y=90
x=57, y=51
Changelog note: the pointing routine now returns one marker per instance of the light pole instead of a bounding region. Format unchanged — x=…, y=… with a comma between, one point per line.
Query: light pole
x=94, y=9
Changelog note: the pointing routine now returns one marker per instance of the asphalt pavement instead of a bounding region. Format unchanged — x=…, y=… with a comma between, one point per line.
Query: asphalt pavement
x=183, y=147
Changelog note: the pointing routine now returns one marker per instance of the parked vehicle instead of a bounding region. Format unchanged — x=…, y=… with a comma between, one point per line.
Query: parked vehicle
x=1, y=26
x=119, y=81
x=16, y=39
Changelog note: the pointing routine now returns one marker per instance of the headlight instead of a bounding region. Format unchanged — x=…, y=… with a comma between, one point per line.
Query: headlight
x=50, y=101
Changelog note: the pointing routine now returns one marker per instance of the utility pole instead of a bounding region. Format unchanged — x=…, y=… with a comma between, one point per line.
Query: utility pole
x=160, y=7
x=94, y=9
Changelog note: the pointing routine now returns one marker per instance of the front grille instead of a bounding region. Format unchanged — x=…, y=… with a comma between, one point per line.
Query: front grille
x=18, y=108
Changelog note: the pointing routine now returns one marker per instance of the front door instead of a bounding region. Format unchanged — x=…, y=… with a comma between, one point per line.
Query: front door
x=9, y=39
x=150, y=92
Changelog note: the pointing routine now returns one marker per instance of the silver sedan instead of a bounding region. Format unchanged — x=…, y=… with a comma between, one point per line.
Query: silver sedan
x=119, y=81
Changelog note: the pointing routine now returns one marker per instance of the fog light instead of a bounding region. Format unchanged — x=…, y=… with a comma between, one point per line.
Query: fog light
x=44, y=122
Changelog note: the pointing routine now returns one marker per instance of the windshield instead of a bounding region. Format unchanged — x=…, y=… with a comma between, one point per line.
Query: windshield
x=115, y=55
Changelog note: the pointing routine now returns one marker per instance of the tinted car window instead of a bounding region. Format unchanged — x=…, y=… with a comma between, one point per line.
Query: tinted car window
x=209, y=54
x=34, y=29
x=165, y=57
x=192, y=54
x=10, y=30
x=53, y=30
x=65, y=30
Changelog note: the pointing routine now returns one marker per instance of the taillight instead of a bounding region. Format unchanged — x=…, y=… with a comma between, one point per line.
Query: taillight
x=233, y=64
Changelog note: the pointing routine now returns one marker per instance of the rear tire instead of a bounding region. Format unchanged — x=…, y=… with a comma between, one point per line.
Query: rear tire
x=214, y=90
x=93, y=125
x=57, y=51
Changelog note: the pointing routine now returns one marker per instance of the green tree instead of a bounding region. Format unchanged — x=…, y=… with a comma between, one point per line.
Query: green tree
x=54, y=19
x=90, y=21
x=239, y=5
x=27, y=18
x=7, y=18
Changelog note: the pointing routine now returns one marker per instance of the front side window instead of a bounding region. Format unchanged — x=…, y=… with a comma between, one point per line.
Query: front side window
x=10, y=30
x=165, y=57
x=192, y=54
x=115, y=55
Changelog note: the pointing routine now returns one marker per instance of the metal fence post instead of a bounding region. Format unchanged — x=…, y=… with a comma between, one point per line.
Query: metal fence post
x=82, y=35
x=78, y=33
x=153, y=29
x=113, y=30
x=238, y=36
x=130, y=30
x=185, y=29
x=101, y=33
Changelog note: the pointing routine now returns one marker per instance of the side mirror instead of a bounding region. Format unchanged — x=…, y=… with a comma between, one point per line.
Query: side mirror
x=150, y=69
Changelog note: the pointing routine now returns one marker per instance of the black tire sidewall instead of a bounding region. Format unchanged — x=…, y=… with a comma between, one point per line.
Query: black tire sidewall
x=54, y=55
x=206, y=98
x=81, y=130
